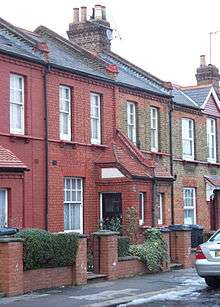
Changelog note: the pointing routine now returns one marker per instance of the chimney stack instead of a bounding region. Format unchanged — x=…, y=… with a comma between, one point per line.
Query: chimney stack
x=202, y=61
x=93, y=34
x=76, y=15
x=98, y=12
x=207, y=74
x=103, y=13
x=83, y=13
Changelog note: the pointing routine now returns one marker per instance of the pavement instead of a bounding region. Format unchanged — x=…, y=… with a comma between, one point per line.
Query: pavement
x=110, y=293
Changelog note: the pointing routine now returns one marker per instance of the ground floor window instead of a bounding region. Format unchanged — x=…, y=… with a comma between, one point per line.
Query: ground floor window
x=3, y=208
x=160, y=208
x=141, y=208
x=73, y=204
x=189, y=201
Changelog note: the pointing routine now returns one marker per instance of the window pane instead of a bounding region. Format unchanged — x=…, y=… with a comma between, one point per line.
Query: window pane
x=73, y=195
x=140, y=207
x=94, y=128
x=66, y=217
x=189, y=216
x=16, y=116
x=67, y=183
x=75, y=216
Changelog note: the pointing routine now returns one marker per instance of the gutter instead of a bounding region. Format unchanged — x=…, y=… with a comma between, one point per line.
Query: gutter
x=45, y=77
x=171, y=162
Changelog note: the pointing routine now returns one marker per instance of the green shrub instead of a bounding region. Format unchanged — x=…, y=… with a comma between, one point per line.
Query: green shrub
x=153, y=251
x=113, y=224
x=123, y=246
x=43, y=249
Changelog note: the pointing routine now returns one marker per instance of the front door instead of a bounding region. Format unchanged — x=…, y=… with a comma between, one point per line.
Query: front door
x=111, y=205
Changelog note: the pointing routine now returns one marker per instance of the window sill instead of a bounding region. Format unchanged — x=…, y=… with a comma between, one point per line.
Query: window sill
x=98, y=146
x=14, y=137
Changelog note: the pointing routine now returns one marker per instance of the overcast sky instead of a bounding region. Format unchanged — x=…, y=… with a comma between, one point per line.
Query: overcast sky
x=165, y=37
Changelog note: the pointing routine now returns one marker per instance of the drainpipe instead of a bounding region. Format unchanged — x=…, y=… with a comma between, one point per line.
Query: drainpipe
x=46, y=71
x=171, y=162
x=154, y=189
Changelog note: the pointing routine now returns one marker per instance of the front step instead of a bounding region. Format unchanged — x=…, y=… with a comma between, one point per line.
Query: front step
x=176, y=266
x=92, y=277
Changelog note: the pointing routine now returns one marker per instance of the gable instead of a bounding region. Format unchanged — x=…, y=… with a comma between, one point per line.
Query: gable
x=211, y=107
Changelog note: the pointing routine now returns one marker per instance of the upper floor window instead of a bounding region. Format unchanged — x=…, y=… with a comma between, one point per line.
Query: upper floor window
x=188, y=138
x=65, y=113
x=16, y=104
x=211, y=139
x=131, y=121
x=189, y=204
x=95, y=105
x=154, y=128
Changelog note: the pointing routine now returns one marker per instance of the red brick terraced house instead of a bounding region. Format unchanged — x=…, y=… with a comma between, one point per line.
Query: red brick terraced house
x=65, y=161
x=196, y=156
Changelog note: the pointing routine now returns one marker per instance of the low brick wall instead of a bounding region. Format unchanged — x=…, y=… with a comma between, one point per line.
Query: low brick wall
x=130, y=266
x=14, y=281
x=48, y=278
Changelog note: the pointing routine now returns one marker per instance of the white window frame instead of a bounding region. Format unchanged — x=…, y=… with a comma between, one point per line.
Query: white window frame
x=160, y=207
x=131, y=122
x=154, y=128
x=211, y=139
x=185, y=206
x=80, y=230
x=94, y=97
x=63, y=100
x=18, y=103
x=188, y=137
x=6, y=206
x=141, y=199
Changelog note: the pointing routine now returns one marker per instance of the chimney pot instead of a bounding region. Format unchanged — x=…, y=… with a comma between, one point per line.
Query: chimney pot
x=83, y=13
x=202, y=61
x=76, y=15
x=98, y=12
x=103, y=12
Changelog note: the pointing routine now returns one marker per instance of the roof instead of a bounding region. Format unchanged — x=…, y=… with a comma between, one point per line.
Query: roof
x=9, y=160
x=194, y=96
x=132, y=162
x=64, y=54
x=131, y=75
x=214, y=180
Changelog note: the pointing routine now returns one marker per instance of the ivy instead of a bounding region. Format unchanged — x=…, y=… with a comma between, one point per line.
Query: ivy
x=153, y=251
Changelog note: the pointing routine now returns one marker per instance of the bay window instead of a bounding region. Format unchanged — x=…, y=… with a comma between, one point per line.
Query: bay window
x=3, y=208
x=141, y=208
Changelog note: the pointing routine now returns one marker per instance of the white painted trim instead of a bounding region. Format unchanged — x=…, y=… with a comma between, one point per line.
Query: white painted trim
x=6, y=206
x=134, y=124
x=160, y=220
x=194, y=202
x=100, y=207
x=141, y=221
x=211, y=92
x=111, y=172
x=63, y=136
x=189, y=98
x=98, y=139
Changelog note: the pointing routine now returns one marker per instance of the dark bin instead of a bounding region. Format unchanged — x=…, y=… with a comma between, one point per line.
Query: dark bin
x=176, y=227
x=196, y=234
x=7, y=231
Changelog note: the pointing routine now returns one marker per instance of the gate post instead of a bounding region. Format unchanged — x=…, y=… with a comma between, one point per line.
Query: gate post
x=11, y=266
x=108, y=252
x=80, y=266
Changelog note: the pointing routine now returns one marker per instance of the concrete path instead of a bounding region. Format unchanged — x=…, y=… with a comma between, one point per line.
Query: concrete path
x=109, y=293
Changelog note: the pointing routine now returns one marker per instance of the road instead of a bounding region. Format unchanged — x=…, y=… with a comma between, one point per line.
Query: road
x=177, y=288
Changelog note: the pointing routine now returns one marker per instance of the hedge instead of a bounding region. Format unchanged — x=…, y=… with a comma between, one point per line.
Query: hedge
x=123, y=246
x=43, y=249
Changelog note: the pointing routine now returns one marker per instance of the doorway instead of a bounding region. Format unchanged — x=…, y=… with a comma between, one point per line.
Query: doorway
x=110, y=206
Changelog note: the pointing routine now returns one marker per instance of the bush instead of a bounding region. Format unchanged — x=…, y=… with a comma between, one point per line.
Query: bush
x=43, y=249
x=113, y=224
x=154, y=250
x=123, y=246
